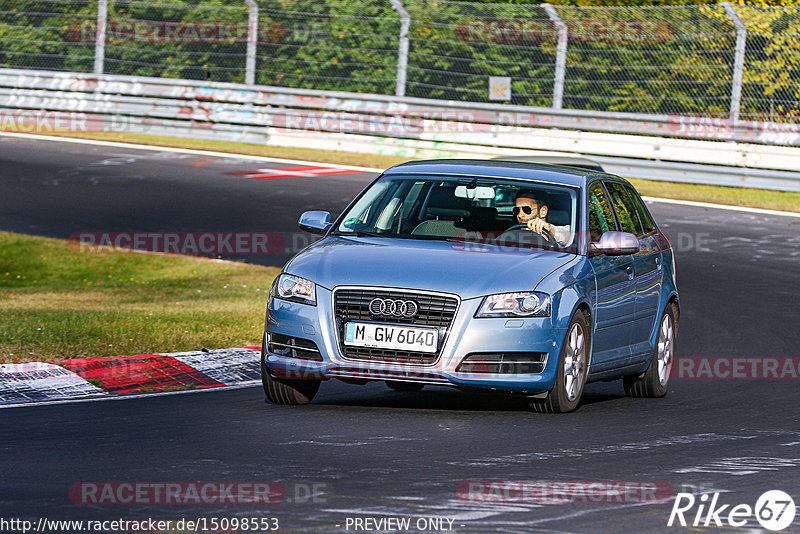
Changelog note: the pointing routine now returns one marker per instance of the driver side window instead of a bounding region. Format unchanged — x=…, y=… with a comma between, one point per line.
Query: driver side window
x=601, y=218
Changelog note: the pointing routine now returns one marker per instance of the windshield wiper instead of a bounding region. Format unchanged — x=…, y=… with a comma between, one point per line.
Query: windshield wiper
x=358, y=233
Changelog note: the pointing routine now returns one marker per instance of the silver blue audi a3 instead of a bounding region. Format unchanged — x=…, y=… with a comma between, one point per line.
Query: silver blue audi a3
x=499, y=276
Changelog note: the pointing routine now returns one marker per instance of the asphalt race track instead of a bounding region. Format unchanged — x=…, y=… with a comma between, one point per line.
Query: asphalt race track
x=359, y=452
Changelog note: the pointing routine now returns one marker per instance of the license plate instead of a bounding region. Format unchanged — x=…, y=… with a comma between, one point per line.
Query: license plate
x=385, y=336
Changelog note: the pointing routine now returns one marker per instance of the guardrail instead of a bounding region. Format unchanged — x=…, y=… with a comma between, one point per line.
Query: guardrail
x=664, y=147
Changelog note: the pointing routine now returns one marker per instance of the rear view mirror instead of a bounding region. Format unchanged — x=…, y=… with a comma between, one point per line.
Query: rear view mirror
x=316, y=222
x=615, y=244
x=475, y=193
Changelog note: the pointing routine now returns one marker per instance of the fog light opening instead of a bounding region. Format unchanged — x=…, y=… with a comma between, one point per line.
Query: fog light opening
x=503, y=363
x=293, y=347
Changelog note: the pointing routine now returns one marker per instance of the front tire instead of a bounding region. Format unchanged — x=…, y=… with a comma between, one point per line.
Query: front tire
x=653, y=383
x=289, y=392
x=573, y=367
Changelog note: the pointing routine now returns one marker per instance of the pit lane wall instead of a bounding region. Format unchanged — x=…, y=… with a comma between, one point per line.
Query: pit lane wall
x=661, y=147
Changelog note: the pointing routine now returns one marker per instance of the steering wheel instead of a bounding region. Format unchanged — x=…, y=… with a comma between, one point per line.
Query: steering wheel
x=551, y=240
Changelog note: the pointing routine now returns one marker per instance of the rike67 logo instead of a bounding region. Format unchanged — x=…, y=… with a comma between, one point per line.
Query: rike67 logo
x=774, y=510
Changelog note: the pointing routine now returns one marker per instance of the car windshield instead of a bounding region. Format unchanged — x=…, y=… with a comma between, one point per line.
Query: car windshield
x=490, y=211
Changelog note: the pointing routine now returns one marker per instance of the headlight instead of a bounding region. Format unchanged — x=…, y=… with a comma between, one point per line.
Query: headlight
x=296, y=289
x=528, y=304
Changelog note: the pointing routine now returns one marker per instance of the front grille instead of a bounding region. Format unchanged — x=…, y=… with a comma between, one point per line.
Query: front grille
x=435, y=310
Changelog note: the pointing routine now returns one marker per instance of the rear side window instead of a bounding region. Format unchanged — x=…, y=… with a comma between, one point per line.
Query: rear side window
x=601, y=218
x=626, y=211
x=648, y=225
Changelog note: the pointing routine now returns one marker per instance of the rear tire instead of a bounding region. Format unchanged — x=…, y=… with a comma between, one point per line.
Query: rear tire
x=654, y=382
x=573, y=368
x=407, y=387
x=288, y=392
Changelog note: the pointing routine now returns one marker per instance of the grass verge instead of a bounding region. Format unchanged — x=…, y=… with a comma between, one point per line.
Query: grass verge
x=60, y=303
x=732, y=196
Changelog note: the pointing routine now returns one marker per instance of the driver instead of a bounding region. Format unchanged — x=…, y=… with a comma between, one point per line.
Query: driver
x=529, y=210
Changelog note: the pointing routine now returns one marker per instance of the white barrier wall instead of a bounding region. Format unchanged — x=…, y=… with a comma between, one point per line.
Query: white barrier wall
x=45, y=102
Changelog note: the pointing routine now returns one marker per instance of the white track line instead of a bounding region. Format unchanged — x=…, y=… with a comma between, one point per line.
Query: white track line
x=338, y=166
x=721, y=206
x=212, y=153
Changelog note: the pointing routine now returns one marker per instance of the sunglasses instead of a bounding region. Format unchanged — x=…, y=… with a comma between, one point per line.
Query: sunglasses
x=527, y=210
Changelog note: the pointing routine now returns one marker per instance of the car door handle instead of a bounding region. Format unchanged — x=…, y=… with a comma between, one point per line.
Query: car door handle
x=629, y=270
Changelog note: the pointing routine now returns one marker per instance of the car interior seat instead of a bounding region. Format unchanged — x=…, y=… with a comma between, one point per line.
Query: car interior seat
x=442, y=210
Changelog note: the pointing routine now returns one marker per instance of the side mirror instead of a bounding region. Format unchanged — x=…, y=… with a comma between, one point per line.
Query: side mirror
x=615, y=244
x=316, y=222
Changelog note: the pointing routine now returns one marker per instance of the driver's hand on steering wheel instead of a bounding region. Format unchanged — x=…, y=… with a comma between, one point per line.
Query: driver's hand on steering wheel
x=537, y=225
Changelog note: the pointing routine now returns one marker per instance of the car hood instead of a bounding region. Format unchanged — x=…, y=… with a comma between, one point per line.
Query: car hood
x=467, y=270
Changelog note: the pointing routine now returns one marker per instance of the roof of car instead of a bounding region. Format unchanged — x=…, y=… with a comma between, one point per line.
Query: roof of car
x=568, y=161
x=498, y=169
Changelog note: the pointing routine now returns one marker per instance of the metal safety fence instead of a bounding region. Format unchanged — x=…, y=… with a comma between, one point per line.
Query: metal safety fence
x=717, y=61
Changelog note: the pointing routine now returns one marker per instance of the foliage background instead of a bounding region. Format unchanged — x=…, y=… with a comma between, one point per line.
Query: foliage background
x=681, y=63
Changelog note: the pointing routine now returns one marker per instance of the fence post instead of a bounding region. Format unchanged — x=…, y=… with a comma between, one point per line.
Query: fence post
x=252, y=42
x=561, y=55
x=738, y=61
x=402, y=49
x=100, y=36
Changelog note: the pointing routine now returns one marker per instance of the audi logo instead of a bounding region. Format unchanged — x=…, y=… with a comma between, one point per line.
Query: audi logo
x=393, y=308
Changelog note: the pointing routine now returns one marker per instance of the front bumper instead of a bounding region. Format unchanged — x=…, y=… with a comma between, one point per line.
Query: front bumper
x=467, y=335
